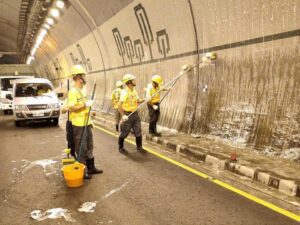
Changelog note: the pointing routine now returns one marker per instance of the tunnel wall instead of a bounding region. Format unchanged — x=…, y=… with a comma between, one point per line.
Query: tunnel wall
x=253, y=87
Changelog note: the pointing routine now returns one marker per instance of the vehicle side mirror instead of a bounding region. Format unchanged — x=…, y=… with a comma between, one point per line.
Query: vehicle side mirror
x=60, y=95
x=8, y=96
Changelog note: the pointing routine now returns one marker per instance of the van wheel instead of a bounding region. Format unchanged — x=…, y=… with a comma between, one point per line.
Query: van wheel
x=17, y=123
x=55, y=122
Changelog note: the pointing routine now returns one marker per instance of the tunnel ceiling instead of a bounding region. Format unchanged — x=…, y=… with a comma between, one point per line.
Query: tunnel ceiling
x=249, y=94
x=9, y=21
x=19, y=22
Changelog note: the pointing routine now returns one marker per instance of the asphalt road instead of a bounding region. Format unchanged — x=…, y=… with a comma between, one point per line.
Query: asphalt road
x=133, y=190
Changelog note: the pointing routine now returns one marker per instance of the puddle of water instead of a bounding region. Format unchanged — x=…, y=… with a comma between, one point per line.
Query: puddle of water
x=43, y=163
x=54, y=213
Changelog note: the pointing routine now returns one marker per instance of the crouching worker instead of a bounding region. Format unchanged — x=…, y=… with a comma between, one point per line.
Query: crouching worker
x=79, y=109
x=115, y=97
x=128, y=104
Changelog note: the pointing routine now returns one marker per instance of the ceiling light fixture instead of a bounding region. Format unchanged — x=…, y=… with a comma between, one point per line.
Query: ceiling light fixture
x=50, y=21
x=54, y=13
x=47, y=26
x=60, y=4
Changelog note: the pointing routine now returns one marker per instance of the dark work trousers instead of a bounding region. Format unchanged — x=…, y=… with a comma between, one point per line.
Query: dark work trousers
x=153, y=118
x=70, y=137
x=133, y=122
x=87, y=147
x=117, y=118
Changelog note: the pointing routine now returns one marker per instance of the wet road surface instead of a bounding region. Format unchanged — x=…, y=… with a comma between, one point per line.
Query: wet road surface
x=135, y=189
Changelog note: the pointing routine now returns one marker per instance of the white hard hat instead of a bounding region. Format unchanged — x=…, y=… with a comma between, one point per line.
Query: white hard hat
x=77, y=69
x=119, y=83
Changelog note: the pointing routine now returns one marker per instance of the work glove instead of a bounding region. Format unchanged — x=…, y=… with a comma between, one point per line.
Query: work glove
x=64, y=109
x=147, y=99
x=89, y=103
x=155, y=107
x=125, y=118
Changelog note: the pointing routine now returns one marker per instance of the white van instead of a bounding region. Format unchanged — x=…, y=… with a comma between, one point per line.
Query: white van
x=6, y=87
x=34, y=99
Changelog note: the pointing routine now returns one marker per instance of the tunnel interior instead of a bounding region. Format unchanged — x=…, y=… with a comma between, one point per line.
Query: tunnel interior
x=249, y=94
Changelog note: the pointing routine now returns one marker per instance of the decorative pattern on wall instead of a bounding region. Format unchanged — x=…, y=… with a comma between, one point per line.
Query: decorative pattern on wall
x=119, y=43
x=145, y=26
x=163, y=42
x=136, y=50
x=85, y=62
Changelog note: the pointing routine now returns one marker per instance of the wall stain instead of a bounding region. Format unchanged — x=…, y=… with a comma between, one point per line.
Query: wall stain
x=254, y=101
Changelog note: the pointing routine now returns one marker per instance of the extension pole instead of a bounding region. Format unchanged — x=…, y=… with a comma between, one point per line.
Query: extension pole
x=185, y=70
x=83, y=137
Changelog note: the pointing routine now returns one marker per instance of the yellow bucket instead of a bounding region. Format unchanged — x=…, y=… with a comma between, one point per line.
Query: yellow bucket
x=73, y=174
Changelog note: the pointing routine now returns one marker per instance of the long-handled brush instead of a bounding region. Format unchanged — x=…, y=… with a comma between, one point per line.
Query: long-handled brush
x=68, y=159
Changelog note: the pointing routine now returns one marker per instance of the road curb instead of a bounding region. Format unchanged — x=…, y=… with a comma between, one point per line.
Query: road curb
x=284, y=185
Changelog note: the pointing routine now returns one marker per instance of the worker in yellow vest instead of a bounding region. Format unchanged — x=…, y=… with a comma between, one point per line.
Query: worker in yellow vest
x=115, y=97
x=153, y=93
x=128, y=105
x=78, y=106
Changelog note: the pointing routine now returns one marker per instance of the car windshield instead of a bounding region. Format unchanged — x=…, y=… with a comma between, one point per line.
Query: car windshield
x=33, y=90
x=7, y=84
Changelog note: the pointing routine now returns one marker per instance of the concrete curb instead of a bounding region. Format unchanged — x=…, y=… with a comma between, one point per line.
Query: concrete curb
x=285, y=186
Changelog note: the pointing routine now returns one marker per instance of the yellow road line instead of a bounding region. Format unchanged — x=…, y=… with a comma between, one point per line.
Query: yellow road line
x=218, y=182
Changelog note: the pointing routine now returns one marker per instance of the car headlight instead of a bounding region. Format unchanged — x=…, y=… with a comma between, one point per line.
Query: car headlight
x=5, y=101
x=53, y=106
x=20, y=107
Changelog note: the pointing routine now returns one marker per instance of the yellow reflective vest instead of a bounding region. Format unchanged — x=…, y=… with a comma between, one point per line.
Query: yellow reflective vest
x=115, y=97
x=153, y=93
x=129, y=99
x=76, y=97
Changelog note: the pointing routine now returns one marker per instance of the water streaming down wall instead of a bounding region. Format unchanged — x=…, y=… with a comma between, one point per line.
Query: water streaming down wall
x=251, y=93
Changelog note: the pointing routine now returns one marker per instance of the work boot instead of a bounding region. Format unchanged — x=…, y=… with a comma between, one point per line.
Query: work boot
x=121, y=146
x=139, y=144
x=90, y=163
x=86, y=175
x=123, y=151
x=73, y=153
x=156, y=134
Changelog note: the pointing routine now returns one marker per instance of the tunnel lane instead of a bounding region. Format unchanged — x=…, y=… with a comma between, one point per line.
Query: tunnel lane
x=134, y=189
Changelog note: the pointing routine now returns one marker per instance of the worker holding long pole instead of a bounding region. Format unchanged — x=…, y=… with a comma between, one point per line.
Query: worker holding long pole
x=128, y=106
x=153, y=93
x=79, y=106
